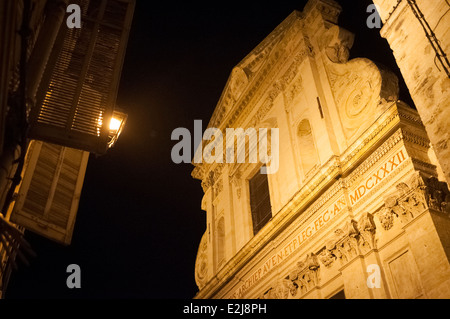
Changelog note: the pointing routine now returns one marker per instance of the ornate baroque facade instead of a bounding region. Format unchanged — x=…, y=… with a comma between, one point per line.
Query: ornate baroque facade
x=357, y=186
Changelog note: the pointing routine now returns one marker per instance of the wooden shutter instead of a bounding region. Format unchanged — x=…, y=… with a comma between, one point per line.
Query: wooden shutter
x=260, y=201
x=77, y=98
x=50, y=190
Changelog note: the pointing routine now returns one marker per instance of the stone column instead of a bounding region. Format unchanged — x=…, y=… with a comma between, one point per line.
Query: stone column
x=418, y=32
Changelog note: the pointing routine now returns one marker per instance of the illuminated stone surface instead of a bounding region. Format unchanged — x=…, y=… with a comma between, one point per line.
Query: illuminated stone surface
x=356, y=184
x=422, y=62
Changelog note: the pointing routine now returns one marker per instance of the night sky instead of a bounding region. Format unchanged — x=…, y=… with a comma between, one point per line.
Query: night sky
x=139, y=221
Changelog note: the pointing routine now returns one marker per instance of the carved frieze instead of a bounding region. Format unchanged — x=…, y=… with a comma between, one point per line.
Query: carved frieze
x=280, y=290
x=346, y=244
x=305, y=276
x=353, y=239
x=412, y=198
x=326, y=257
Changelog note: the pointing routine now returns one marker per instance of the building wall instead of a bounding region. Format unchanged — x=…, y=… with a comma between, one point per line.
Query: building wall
x=424, y=62
x=11, y=15
x=355, y=187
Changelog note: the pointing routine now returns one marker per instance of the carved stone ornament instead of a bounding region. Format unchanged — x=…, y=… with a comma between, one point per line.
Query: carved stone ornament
x=236, y=181
x=292, y=91
x=353, y=239
x=359, y=86
x=366, y=226
x=218, y=187
x=386, y=218
x=238, y=82
x=305, y=276
x=412, y=198
x=201, y=263
x=326, y=257
x=346, y=244
x=280, y=290
x=338, y=42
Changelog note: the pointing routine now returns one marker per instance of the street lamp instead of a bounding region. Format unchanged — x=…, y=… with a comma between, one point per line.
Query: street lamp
x=116, y=125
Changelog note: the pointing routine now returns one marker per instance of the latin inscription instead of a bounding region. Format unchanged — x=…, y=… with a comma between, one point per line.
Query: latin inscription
x=293, y=245
x=376, y=177
x=355, y=195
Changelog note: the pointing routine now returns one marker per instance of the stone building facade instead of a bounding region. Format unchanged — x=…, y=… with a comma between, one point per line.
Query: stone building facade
x=356, y=206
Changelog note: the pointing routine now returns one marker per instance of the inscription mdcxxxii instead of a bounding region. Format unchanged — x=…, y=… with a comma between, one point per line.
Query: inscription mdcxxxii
x=377, y=176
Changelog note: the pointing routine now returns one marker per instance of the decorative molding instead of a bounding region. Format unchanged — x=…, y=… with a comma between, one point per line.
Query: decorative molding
x=211, y=177
x=218, y=187
x=353, y=150
x=393, y=140
x=416, y=139
x=271, y=50
x=236, y=181
x=291, y=92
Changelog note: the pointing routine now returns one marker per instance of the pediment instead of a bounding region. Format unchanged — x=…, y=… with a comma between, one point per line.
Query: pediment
x=246, y=73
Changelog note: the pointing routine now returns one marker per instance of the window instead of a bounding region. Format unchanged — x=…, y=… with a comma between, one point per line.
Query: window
x=260, y=201
x=339, y=295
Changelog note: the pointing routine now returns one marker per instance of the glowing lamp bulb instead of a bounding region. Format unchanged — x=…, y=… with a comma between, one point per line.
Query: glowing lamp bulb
x=114, y=125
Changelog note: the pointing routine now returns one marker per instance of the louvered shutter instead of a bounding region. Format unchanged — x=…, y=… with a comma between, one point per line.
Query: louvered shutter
x=50, y=191
x=77, y=95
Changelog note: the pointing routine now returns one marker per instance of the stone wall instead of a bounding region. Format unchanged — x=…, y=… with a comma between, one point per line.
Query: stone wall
x=418, y=32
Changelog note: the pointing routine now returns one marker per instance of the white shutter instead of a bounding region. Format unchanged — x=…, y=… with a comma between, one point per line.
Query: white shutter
x=78, y=92
x=50, y=192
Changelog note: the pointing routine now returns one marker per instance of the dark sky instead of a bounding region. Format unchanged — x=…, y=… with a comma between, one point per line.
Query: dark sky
x=139, y=222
